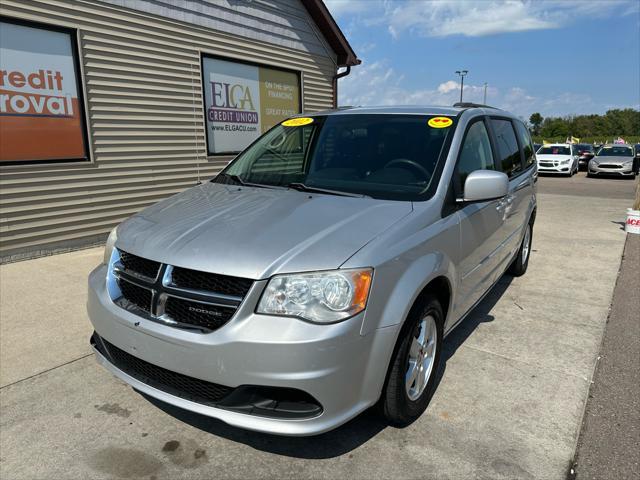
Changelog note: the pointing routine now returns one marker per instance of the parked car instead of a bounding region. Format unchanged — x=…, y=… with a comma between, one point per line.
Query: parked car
x=585, y=153
x=636, y=162
x=615, y=159
x=320, y=272
x=558, y=158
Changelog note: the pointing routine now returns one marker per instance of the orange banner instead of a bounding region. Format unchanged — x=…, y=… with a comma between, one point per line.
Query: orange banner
x=40, y=113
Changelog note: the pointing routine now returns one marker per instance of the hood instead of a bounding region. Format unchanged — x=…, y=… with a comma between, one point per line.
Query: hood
x=554, y=157
x=256, y=232
x=613, y=159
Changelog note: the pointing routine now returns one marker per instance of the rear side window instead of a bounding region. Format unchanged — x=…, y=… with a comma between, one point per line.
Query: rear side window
x=527, y=144
x=475, y=153
x=508, y=152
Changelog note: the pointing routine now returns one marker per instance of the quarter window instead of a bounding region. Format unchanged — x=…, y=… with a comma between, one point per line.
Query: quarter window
x=527, y=144
x=507, y=145
x=476, y=152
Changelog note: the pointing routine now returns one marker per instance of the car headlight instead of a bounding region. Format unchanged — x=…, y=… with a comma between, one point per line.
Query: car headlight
x=564, y=162
x=628, y=163
x=322, y=297
x=109, y=246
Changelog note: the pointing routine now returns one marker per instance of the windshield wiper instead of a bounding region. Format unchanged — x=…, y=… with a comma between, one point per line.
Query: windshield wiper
x=301, y=187
x=237, y=179
x=234, y=178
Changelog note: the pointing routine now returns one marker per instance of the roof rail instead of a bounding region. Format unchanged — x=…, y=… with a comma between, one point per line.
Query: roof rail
x=472, y=105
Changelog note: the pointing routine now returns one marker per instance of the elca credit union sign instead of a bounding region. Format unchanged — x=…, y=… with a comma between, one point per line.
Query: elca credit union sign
x=243, y=101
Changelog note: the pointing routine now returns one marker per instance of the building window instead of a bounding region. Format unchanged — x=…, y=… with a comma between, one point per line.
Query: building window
x=41, y=109
x=243, y=100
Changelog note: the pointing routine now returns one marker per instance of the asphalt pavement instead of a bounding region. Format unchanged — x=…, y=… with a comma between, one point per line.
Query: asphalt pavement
x=509, y=403
x=582, y=186
x=609, y=444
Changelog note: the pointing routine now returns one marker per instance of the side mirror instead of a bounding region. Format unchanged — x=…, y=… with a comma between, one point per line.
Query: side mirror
x=483, y=185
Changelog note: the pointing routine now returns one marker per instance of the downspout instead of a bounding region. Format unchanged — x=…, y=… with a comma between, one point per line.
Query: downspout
x=336, y=77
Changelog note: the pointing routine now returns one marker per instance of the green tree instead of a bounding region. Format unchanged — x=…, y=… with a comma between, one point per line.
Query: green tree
x=624, y=122
x=536, y=120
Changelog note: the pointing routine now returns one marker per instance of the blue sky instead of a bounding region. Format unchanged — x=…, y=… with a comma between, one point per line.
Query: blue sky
x=555, y=57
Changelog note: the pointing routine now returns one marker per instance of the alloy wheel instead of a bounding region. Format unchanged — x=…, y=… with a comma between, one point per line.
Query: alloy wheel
x=421, y=357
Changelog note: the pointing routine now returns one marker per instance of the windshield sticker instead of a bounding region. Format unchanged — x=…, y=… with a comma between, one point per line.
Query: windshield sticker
x=440, y=122
x=297, y=122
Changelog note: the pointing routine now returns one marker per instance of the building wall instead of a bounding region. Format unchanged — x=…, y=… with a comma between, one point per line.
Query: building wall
x=143, y=100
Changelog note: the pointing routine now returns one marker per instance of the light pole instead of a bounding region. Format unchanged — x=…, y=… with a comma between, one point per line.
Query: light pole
x=484, y=101
x=462, y=73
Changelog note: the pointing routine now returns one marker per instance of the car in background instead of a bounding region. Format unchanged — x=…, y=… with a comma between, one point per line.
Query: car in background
x=558, y=158
x=585, y=153
x=636, y=163
x=616, y=159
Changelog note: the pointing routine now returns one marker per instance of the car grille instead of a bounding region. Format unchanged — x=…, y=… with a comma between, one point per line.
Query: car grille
x=136, y=295
x=609, y=166
x=185, y=278
x=139, y=266
x=205, y=315
x=168, y=381
x=177, y=296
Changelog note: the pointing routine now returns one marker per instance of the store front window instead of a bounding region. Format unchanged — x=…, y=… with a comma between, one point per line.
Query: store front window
x=242, y=101
x=41, y=110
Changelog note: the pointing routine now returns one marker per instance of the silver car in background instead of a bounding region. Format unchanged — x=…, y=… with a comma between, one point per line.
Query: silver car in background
x=616, y=159
x=320, y=272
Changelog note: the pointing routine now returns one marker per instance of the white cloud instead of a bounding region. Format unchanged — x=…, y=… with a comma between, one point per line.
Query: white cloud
x=465, y=17
x=379, y=84
x=472, y=18
x=448, y=86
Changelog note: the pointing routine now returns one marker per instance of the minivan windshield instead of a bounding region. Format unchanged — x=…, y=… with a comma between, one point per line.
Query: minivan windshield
x=385, y=156
x=554, y=150
x=615, y=152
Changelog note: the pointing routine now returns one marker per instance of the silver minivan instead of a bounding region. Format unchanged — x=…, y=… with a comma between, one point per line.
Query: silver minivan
x=319, y=273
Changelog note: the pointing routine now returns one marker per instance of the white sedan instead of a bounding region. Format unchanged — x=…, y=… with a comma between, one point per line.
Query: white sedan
x=561, y=158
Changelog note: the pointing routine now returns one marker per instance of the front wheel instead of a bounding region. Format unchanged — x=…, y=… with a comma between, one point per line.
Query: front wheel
x=412, y=373
x=521, y=262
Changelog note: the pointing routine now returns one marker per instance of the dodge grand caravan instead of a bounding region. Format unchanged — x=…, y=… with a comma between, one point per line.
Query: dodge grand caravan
x=319, y=273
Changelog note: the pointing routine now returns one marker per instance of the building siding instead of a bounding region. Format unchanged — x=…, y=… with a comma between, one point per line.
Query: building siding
x=143, y=101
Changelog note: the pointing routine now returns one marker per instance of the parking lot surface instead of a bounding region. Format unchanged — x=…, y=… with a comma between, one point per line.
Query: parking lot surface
x=509, y=403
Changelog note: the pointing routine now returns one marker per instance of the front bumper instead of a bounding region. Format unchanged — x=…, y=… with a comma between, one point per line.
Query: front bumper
x=553, y=167
x=611, y=169
x=343, y=370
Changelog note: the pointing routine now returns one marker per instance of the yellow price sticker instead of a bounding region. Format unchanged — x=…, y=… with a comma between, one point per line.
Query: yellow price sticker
x=440, y=122
x=297, y=122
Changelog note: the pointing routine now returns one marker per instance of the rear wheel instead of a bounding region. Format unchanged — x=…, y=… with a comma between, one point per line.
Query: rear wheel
x=521, y=262
x=411, y=378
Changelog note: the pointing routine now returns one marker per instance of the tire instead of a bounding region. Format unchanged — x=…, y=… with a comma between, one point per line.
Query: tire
x=402, y=404
x=521, y=262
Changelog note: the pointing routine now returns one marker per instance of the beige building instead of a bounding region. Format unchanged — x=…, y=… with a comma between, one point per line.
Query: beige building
x=109, y=106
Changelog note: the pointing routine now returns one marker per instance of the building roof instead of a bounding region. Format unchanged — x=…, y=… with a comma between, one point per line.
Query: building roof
x=332, y=33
